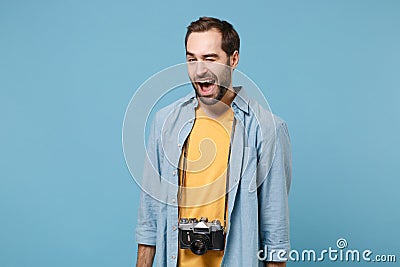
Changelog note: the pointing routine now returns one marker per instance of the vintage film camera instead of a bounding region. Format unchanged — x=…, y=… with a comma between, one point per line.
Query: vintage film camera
x=201, y=236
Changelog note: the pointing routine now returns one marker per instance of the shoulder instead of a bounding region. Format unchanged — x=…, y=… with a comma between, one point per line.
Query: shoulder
x=162, y=115
x=265, y=117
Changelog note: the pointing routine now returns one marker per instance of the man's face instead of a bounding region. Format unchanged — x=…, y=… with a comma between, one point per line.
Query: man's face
x=209, y=67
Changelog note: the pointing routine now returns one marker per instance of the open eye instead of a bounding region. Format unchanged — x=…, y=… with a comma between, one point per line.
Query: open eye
x=190, y=59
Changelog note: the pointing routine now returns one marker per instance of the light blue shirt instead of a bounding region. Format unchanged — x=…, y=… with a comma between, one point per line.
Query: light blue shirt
x=259, y=181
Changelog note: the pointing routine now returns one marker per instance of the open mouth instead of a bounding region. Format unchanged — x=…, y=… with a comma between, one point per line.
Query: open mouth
x=207, y=87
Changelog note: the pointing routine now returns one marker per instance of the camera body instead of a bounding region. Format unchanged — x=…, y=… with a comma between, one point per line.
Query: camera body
x=201, y=236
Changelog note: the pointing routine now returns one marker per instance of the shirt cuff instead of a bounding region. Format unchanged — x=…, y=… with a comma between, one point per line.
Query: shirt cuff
x=146, y=237
x=275, y=253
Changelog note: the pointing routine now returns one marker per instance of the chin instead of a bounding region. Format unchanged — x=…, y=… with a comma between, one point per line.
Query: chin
x=209, y=100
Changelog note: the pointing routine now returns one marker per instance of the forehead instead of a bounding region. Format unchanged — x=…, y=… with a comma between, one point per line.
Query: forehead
x=200, y=43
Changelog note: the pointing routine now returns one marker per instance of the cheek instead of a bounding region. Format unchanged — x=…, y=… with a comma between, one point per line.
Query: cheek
x=222, y=74
x=220, y=67
x=216, y=70
x=191, y=70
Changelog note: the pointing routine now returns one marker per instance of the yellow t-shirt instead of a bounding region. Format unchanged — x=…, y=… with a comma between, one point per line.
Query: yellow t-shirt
x=203, y=193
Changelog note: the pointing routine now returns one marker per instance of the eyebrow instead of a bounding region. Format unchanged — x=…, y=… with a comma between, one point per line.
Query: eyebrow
x=204, y=56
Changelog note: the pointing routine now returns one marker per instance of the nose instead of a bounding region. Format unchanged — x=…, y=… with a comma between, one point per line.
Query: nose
x=200, y=68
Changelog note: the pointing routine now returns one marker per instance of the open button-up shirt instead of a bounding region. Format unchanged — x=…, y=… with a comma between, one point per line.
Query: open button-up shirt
x=259, y=182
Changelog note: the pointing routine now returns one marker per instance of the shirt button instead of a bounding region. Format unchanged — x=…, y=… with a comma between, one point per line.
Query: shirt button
x=174, y=228
x=173, y=257
x=173, y=200
x=174, y=173
x=179, y=145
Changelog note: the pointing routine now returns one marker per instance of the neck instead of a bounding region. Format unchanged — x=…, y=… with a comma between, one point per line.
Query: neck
x=220, y=107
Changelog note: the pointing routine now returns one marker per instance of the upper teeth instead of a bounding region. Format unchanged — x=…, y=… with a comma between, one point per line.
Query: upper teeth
x=206, y=81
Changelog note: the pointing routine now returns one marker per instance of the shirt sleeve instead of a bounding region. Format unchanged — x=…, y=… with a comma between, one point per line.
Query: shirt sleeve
x=146, y=229
x=273, y=200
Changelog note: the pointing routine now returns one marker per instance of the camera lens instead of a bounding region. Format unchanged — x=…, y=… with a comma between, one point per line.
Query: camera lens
x=200, y=244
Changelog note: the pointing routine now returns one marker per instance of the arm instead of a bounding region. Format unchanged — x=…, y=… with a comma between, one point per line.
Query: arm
x=273, y=201
x=145, y=255
x=146, y=229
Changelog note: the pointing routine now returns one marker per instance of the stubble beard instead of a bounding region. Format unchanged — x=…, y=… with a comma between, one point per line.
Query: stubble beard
x=222, y=87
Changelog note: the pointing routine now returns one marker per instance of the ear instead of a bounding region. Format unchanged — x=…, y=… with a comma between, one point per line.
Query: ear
x=234, y=59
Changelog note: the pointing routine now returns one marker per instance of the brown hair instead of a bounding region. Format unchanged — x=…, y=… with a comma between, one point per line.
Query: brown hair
x=230, y=38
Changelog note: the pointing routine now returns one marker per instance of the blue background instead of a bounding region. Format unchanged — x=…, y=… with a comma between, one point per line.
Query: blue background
x=69, y=68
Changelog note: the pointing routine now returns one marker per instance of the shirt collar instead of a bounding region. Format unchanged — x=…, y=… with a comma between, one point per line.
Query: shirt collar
x=241, y=99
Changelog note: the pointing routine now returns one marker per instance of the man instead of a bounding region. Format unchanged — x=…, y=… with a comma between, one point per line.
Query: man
x=216, y=154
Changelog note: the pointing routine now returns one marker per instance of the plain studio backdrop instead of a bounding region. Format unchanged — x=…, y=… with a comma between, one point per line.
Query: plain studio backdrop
x=68, y=70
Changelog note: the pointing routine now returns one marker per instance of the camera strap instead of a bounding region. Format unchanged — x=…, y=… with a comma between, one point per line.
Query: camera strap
x=184, y=167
